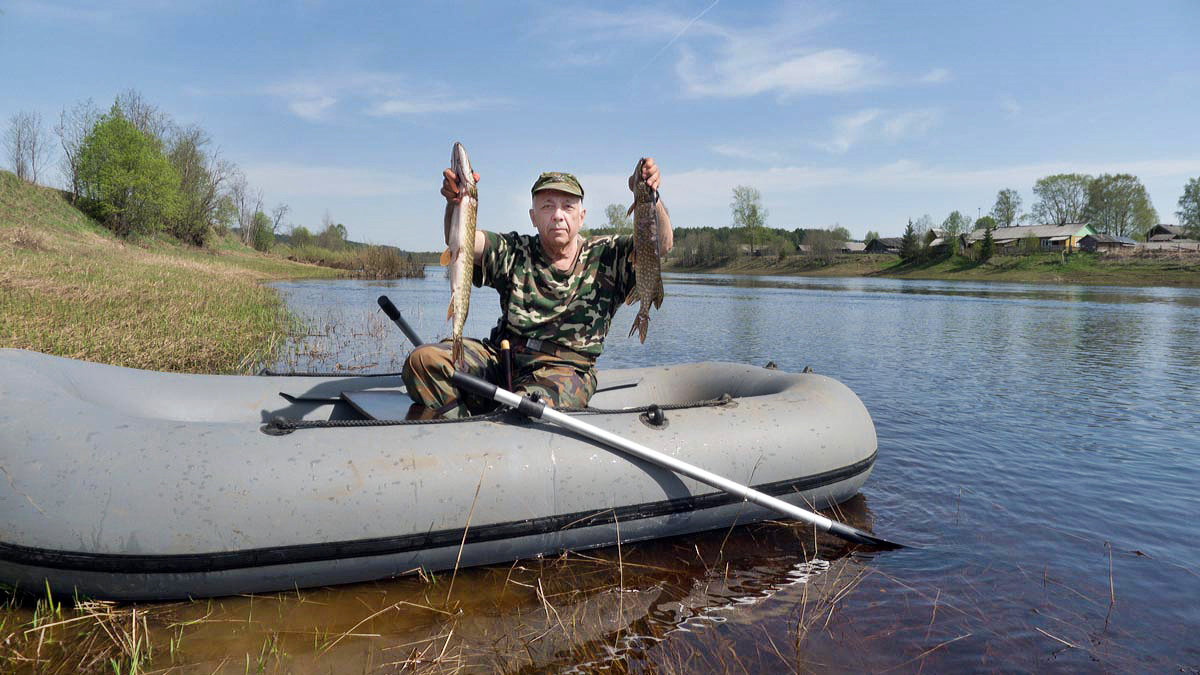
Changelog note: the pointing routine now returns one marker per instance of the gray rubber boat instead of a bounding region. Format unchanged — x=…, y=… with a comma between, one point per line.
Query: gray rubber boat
x=139, y=485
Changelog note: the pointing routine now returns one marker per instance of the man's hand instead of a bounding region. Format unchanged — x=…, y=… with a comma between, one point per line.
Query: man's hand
x=450, y=185
x=649, y=172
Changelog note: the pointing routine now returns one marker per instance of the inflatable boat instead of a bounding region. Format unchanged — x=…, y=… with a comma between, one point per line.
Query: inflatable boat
x=139, y=485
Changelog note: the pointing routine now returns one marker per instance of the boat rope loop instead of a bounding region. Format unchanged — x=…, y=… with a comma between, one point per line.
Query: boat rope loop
x=280, y=426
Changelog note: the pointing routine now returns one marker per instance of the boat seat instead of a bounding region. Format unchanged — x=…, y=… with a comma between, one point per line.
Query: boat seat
x=377, y=404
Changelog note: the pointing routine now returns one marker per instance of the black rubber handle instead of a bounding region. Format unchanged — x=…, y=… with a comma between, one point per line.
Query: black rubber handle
x=394, y=314
x=481, y=388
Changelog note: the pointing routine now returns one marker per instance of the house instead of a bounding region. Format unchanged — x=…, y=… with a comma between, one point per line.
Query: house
x=1165, y=233
x=1104, y=243
x=1050, y=237
x=853, y=247
x=883, y=245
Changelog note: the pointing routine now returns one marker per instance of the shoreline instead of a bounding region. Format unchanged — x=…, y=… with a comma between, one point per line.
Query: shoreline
x=1040, y=268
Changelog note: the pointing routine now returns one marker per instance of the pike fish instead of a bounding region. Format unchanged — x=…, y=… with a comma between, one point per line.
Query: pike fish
x=646, y=268
x=460, y=256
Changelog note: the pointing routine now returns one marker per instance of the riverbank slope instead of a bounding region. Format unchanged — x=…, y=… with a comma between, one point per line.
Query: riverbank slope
x=70, y=287
x=1076, y=268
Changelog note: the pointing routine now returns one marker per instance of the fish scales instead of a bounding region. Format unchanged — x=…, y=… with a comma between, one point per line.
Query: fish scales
x=460, y=256
x=647, y=270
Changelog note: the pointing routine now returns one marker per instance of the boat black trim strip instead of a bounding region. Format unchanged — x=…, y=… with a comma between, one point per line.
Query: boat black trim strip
x=306, y=553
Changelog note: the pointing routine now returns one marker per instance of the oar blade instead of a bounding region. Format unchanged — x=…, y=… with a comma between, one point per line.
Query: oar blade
x=857, y=536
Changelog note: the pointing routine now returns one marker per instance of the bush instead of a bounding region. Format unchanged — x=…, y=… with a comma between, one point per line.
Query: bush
x=125, y=180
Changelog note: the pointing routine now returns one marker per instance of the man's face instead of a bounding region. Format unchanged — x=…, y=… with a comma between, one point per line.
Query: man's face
x=558, y=216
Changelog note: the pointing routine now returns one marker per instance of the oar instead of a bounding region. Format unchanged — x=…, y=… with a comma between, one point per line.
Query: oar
x=540, y=410
x=394, y=314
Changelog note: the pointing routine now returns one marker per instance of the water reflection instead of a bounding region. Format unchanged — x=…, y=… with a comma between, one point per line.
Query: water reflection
x=1040, y=442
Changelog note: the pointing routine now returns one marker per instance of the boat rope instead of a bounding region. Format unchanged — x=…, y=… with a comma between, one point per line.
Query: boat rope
x=280, y=426
x=267, y=372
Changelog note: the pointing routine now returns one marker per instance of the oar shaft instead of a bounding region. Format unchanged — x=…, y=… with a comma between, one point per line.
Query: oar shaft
x=541, y=410
x=691, y=471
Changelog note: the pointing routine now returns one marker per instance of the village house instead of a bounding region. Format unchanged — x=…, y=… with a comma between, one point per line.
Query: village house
x=1050, y=237
x=1108, y=244
x=883, y=245
x=1169, y=238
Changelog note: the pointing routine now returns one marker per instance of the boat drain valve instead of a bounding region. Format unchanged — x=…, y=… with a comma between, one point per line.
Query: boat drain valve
x=654, y=417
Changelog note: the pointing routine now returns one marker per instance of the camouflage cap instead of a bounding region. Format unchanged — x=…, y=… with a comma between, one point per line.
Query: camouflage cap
x=557, y=180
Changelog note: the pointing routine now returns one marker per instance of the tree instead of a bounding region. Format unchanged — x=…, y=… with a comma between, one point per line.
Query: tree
x=125, y=180
x=954, y=225
x=263, y=235
x=985, y=222
x=301, y=237
x=201, y=180
x=332, y=235
x=823, y=244
x=1007, y=209
x=27, y=144
x=144, y=116
x=927, y=243
x=910, y=247
x=74, y=124
x=246, y=202
x=871, y=234
x=1189, y=208
x=923, y=225
x=987, y=247
x=618, y=218
x=1062, y=198
x=1119, y=205
x=748, y=211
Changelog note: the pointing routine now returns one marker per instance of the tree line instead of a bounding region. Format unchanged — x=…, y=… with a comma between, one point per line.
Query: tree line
x=139, y=172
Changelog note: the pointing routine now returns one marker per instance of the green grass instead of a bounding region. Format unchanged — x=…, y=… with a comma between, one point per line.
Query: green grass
x=71, y=288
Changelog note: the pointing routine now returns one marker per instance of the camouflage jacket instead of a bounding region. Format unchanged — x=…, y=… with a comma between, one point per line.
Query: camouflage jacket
x=572, y=308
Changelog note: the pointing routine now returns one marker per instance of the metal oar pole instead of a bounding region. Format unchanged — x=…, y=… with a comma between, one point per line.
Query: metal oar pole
x=539, y=410
x=394, y=314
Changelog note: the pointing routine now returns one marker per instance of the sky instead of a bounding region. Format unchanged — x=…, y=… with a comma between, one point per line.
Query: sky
x=853, y=114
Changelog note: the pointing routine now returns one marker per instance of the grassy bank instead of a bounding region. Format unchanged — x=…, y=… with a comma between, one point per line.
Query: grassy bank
x=71, y=288
x=1077, y=268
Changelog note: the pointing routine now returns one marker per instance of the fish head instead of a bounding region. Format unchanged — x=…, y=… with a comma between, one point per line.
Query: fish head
x=460, y=165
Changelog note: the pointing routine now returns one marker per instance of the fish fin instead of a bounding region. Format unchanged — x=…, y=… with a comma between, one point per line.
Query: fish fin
x=445, y=259
x=658, y=295
x=450, y=309
x=631, y=208
x=632, y=297
x=641, y=324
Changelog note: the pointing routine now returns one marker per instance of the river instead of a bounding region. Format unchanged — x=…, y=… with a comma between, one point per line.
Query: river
x=1039, y=444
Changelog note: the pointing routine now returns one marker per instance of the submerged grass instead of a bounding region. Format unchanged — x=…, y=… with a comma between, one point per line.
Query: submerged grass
x=70, y=288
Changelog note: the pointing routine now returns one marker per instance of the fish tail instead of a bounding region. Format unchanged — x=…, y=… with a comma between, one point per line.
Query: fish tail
x=456, y=352
x=641, y=324
x=658, y=294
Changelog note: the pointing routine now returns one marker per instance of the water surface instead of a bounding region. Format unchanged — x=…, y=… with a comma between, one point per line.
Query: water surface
x=1039, y=443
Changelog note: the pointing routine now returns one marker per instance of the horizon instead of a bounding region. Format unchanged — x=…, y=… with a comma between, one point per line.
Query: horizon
x=850, y=115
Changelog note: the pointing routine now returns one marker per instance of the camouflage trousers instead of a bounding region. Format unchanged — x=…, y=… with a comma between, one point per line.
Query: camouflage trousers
x=563, y=381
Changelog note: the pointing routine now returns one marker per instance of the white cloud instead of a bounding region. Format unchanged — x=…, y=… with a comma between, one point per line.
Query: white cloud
x=372, y=93
x=935, y=76
x=312, y=109
x=721, y=62
x=279, y=181
x=852, y=129
x=1010, y=105
x=744, y=151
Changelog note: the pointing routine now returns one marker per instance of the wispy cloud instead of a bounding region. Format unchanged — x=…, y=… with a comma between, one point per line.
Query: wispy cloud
x=935, y=76
x=716, y=61
x=1010, y=105
x=746, y=151
x=281, y=180
x=852, y=129
x=372, y=93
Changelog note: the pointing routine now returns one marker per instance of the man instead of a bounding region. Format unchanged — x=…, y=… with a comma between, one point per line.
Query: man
x=558, y=294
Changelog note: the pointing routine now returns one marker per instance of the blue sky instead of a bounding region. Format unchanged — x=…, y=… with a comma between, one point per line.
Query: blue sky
x=854, y=113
